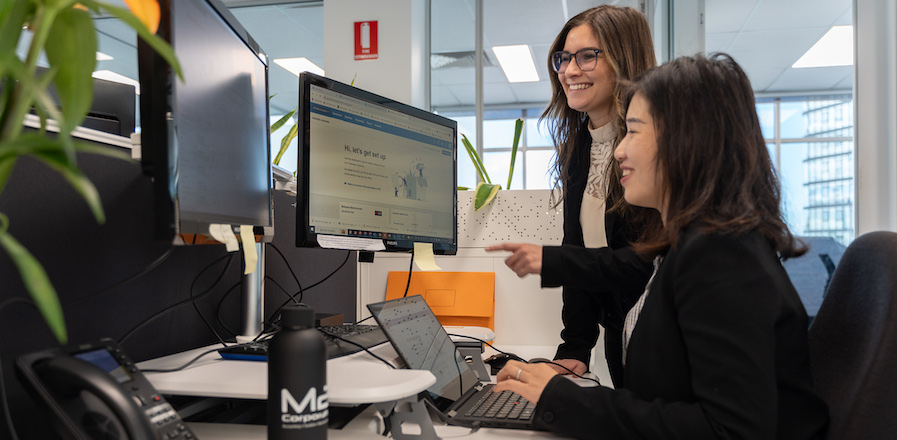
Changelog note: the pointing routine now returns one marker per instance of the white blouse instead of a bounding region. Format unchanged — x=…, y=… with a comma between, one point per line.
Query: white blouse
x=591, y=216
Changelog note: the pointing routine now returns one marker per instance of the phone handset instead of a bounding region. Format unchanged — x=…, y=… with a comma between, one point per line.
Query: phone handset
x=70, y=375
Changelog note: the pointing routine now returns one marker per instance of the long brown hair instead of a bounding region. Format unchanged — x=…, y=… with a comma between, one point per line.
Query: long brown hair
x=717, y=173
x=625, y=36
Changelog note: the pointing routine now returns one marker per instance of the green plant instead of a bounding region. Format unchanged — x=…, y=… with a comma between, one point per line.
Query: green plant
x=486, y=190
x=63, y=31
x=294, y=130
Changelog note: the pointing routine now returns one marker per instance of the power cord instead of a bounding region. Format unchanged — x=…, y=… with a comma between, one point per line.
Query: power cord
x=366, y=350
x=230, y=259
x=6, y=412
x=190, y=300
x=124, y=281
x=539, y=362
x=410, y=270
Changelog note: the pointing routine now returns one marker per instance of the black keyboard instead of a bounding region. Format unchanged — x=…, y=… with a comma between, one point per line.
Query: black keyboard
x=503, y=405
x=363, y=335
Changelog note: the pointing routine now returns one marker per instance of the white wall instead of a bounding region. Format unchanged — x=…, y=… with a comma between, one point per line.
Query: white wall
x=401, y=71
x=525, y=313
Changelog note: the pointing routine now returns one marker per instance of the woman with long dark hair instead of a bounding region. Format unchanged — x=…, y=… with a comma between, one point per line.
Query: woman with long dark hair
x=592, y=54
x=716, y=345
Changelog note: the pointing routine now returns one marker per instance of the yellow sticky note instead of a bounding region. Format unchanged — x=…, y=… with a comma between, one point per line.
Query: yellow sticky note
x=424, y=258
x=250, y=256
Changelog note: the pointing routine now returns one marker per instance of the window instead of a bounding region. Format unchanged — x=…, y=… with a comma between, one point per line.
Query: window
x=814, y=159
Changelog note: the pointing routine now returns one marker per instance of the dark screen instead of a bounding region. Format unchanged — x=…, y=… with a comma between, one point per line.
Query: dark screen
x=207, y=138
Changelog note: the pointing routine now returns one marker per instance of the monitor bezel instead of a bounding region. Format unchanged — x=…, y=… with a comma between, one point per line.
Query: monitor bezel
x=306, y=238
x=157, y=137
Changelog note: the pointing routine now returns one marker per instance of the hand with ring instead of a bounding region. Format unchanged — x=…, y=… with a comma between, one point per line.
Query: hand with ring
x=528, y=380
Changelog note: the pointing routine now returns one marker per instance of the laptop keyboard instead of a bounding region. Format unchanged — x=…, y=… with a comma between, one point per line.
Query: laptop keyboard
x=503, y=405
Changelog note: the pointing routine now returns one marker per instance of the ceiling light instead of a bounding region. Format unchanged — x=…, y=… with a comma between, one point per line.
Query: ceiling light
x=299, y=65
x=517, y=63
x=103, y=57
x=835, y=48
x=115, y=77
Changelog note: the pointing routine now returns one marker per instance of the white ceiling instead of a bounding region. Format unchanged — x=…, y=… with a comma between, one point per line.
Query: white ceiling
x=764, y=36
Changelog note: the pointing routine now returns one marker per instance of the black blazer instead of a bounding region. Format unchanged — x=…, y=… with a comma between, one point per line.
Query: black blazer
x=589, y=305
x=719, y=352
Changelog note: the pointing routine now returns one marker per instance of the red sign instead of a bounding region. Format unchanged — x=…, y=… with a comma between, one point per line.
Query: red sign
x=366, y=40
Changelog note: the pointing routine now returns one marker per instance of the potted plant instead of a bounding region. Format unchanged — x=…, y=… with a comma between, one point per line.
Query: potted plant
x=486, y=190
x=63, y=31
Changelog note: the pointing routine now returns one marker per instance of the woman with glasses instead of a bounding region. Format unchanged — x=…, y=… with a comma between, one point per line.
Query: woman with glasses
x=716, y=345
x=594, y=51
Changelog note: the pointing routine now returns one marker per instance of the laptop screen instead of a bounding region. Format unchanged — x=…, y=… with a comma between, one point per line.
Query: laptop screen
x=423, y=344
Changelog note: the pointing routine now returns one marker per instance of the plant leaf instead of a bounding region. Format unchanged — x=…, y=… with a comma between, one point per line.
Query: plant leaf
x=12, y=17
x=36, y=282
x=147, y=11
x=158, y=44
x=518, y=129
x=485, y=193
x=276, y=126
x=475, y=158
x=6, y=167
x=72, y=49
x=463, y=188
x=285, y=143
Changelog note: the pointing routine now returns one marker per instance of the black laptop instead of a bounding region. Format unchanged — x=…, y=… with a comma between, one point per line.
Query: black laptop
x=423, y=344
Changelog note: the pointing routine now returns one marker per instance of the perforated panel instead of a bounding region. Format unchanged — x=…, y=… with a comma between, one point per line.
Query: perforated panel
x=516, y=216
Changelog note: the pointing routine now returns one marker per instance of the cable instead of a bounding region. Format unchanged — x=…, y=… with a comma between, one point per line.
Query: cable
x=301, y=291
x=410, y=269
x=219, y=306
x=287, y=262
x=348, y=254
x=540, y=362
x=6, y=413
x=137, y=275
x=366, y=350
x=230, y=260
x=172, y=307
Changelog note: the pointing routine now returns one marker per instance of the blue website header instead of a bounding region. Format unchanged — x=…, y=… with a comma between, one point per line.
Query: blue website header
x=380, y=126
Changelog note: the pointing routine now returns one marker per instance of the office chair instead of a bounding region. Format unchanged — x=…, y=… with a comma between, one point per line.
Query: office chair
x=853, y=341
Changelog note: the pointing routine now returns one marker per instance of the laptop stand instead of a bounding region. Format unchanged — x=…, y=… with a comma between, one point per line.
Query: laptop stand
x=410, y=410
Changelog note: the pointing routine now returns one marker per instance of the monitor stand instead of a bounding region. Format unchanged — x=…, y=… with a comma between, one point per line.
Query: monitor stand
x=252, y=291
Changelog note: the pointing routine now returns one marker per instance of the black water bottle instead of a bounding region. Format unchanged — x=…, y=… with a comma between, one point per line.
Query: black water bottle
x=297, y=378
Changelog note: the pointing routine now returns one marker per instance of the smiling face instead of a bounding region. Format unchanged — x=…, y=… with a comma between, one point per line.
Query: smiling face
x=637, y=154
x=589, y=92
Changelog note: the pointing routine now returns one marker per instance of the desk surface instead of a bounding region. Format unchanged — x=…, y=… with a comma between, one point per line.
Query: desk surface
x=354, y=379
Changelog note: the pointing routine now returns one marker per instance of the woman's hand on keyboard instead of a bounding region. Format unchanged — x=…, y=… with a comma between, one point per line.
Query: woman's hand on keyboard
x=528, y=380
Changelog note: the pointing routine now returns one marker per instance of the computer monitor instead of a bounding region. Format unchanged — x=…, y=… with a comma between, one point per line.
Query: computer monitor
x=205, y=139
x=375, y=169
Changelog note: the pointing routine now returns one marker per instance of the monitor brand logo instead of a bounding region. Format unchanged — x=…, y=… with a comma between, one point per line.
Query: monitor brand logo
x=309, y=412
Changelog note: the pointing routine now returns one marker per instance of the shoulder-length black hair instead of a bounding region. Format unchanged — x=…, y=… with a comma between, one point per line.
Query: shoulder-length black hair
x=717, y=173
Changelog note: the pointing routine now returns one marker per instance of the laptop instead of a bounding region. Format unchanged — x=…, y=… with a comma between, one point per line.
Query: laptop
x=423, y=344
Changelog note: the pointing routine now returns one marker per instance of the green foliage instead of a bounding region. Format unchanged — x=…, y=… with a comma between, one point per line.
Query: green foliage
x=486, y=190
x=66, y=35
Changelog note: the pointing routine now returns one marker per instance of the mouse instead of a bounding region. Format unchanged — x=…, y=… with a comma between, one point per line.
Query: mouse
x=539, y=361
x=498, y=361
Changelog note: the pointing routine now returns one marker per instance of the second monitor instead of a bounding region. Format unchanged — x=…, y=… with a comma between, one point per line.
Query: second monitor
x=373, y=168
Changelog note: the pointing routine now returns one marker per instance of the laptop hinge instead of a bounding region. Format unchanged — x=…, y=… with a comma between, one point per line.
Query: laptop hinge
x=479, y=386
x=452, y=413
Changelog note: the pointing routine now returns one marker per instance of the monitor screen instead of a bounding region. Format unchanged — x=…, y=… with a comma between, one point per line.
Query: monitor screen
x=205, y=139
x=373, y=169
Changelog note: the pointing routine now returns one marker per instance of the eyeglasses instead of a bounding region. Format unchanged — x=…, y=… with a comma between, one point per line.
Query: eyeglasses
x=585, y=59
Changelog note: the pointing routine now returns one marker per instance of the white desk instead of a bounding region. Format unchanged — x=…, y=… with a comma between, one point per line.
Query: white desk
x=354, y=379
x=351, y=380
